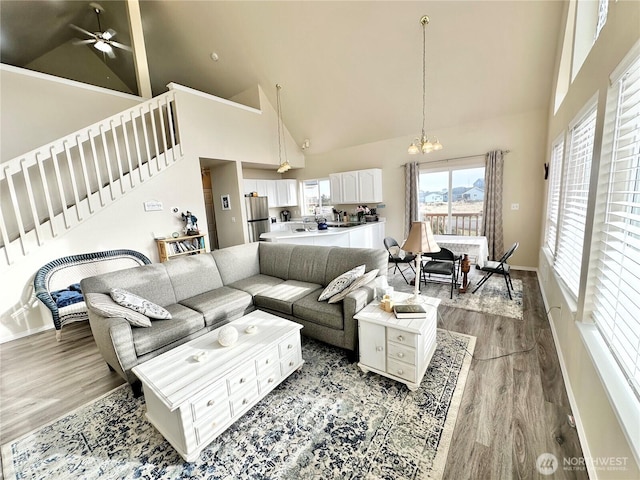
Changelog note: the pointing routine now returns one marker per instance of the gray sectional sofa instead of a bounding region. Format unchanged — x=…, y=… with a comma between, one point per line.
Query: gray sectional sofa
x=203, y=292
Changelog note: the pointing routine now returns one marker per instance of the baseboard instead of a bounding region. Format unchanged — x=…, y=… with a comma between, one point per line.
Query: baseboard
x=26, y=333
x=582, y=435
x=526, y=269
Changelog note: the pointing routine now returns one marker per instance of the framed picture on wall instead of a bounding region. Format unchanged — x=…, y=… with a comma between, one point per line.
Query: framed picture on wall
x=226, y=202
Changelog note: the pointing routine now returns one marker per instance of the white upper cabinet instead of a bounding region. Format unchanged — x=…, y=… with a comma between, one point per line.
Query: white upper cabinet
x=281, y=193
x=370, y=185
x=357, y=187
x=287, y=192
x=335, y=184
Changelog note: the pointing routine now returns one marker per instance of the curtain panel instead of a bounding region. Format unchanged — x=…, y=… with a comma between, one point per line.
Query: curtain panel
x=492, y=218
x=411, y=179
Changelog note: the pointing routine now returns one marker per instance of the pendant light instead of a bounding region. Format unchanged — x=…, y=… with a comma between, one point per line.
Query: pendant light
x=282, y=148
x=423, y=144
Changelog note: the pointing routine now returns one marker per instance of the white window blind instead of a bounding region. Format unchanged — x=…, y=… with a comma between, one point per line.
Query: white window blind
x=553, y=198
x=573, y=207
x=617, y=287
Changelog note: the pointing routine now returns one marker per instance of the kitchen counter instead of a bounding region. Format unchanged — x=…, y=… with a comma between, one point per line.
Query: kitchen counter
x=367, y=235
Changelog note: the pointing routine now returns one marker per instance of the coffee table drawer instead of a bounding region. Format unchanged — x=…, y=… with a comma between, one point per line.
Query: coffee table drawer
x=207, y=428
x=240, y=378
x=244, y=398
x=289, y=344
x=212, y=400
x=267, y=361
x=268, y=378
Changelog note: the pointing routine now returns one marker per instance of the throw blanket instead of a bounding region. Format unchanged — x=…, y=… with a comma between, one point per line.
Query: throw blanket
x=70, y=295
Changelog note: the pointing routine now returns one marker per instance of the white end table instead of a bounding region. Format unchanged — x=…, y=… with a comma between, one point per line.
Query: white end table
x=398, y=348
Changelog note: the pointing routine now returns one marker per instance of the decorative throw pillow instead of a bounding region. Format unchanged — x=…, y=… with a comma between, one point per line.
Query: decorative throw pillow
x=357, y=283
x=103, y=305
x=341, y=282
x=139, y=304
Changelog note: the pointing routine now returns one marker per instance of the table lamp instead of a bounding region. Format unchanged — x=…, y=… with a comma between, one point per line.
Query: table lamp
x=419, y=241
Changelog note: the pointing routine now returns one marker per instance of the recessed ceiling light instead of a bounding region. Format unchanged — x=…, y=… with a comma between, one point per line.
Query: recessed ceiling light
x=214, y=56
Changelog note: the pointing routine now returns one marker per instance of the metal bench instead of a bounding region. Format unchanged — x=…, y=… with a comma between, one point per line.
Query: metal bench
x=59, y=274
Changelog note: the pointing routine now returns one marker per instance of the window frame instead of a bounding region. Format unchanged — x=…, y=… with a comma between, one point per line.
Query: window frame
x=450, y=167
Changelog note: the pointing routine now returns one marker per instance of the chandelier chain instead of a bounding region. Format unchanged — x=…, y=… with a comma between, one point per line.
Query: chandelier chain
x=424, y=76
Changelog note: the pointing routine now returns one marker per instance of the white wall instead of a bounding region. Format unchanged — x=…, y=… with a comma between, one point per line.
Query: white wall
x=524, y=134
x=602, y=435
x=38, y=108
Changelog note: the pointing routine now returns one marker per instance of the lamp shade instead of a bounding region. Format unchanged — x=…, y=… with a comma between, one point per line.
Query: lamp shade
x=420, y=239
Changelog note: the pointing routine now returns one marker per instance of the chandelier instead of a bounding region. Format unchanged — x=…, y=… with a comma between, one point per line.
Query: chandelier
x=282, y=148
x=423, y=144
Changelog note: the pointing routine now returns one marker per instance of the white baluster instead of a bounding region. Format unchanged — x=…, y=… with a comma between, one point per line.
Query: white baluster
x=107, y=160
x=72, y=176
x=97, y=168
x=47, y=194
x=145, y=135
x=137, y=142
x=32, y=202
x=170, y=124
x=164, y=134
x=85, y=174
x=154, y=132
x=116, y=147
x=61, y=194
x=16, y=208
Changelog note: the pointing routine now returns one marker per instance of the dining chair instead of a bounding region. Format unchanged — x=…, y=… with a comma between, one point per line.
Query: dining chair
x=396, y=259
x=501, y=267
x=441, y=263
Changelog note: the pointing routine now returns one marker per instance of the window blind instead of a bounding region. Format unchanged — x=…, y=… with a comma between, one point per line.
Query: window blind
x=575, y=193
x=617, y=286
x=553, y=202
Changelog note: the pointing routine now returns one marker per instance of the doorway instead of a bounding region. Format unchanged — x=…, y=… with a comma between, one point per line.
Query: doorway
x=207, y=192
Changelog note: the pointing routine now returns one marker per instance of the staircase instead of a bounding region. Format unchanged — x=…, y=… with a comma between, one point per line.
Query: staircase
x=50, y=190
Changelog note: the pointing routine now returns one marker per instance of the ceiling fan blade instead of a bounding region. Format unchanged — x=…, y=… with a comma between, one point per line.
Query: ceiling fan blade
x=121, y=45
x=93, y=35
x=84, y=42
x=110, y=53
x=109, y=34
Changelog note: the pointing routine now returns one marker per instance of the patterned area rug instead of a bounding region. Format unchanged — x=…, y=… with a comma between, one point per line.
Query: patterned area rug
x=328, y=420
x=492, y=297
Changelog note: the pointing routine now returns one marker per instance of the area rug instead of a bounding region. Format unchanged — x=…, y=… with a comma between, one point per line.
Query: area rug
x=328, y=420
x=491, y=298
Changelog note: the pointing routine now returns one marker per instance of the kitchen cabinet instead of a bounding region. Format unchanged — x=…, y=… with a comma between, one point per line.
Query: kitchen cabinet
x=356, y=187
x=280, y=193
x=287, y=192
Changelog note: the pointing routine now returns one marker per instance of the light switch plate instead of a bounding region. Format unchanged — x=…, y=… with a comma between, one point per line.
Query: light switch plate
x=152, y=206
x=515, y=206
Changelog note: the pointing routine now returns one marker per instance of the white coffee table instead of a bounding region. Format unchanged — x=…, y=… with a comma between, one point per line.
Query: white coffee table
x=197, y=390
x=398, y=348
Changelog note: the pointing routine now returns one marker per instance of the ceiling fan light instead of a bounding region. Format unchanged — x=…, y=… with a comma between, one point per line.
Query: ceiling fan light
x=102, y=46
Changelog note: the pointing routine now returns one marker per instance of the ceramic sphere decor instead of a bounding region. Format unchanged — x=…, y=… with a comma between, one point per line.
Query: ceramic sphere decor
x=227, y=336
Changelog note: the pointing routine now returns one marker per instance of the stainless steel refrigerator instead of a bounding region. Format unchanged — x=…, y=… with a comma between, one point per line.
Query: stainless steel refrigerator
x=257, y=216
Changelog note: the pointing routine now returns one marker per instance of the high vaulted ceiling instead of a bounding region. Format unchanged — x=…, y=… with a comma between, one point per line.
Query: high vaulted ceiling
x=351, y=71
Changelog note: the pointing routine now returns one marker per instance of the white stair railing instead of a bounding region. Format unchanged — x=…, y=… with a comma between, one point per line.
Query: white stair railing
x=51, y=189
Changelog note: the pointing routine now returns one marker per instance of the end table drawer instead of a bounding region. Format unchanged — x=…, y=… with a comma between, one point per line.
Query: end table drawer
x=402, y=353
x=289, y=344
x=207, y=428
x=267, y=361
x=268, y=378
x=401, y=337
x=402, y=370
x=244, y=399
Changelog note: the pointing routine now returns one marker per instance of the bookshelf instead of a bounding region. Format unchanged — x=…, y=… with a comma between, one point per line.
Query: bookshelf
x=169, y=248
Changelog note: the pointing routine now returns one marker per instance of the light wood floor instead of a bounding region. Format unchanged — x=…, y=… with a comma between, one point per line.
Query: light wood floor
x=513, y=408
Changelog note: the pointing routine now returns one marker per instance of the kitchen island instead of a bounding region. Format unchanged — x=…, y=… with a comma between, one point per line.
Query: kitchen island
x=363, y=235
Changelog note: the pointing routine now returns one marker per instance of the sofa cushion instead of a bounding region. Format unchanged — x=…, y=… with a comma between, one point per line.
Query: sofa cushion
x=326, y=314
x=192, y=275
x=275, y=258
x=219, y=304
x=237, y=262
x=139, y=304
x=148, y=281
x=342, y=259
x=281, y=297
x=256, y=284
x=184, y=322
x=341, y=282
x=308, y=264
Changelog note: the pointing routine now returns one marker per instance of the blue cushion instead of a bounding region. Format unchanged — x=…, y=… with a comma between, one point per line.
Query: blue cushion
x=66, y=297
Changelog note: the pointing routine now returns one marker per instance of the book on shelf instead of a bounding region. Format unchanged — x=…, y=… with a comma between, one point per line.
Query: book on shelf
x=409, y=310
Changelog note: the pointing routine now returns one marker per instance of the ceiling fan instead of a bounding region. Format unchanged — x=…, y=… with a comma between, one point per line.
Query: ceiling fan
x=101, y=40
